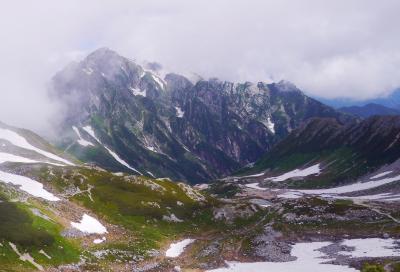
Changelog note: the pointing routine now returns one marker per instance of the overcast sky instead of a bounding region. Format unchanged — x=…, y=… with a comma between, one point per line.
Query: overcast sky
x=338, y=48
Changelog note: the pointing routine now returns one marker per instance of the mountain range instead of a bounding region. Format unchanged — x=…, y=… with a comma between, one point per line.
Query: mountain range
x=369, y=110
x=391, y=101
x=124, y=117
x=152, y=171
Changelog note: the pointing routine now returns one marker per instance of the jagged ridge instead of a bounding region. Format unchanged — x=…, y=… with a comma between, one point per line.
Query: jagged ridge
x=170, y=126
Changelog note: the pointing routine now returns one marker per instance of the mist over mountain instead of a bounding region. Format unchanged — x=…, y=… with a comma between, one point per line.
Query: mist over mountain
x=353, y=53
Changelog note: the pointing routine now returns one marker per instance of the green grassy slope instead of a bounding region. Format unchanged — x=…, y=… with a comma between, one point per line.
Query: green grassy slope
x=344, y=152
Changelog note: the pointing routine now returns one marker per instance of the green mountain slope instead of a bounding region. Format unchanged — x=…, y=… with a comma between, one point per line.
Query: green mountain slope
x=344, y=152
x=59, y=215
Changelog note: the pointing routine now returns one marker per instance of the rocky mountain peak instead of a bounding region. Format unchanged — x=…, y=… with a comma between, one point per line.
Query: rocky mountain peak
x=103, y=52
x=170, y=126
x=109, y=64
x=286, y=86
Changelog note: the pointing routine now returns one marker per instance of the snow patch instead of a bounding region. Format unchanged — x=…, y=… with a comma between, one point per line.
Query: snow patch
x=360, y=186
x=138, y=92
x=371, y=247
x=90, y=130
x=45, y=254
x=381, y=175
x=28, y=185
x=99, y=241
x=179, y=112
x=176, y=249
x=151, y=174
x=151, y=148
x=89, y=225
x=6, y=157
x=255, y=185
x=81, y=141
x=355, y=187
x=369, y=197
x=309, y=258
x=159, y=81
x=20, y=141
x=394, y=198
x=26, y=257
x=290, y=195
x=312, y=170
x=253, y=176
x=270, y=125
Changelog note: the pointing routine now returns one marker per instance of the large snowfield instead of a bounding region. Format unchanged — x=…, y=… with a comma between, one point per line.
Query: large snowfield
x=309, y=258
x=17, y=140
x=355, y=187
x=28, y=185
x=336, y=192
x=6, y=157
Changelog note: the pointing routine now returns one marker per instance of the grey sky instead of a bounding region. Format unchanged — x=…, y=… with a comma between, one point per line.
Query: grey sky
x=335, y=48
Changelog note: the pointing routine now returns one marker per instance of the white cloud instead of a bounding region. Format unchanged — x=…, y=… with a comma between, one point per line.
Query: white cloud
x=328, y=48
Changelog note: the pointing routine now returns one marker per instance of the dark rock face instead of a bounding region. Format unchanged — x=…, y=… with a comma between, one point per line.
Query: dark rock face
x=169, y=126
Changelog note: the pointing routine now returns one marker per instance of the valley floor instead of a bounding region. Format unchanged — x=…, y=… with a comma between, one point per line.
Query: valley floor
x=82, y=218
